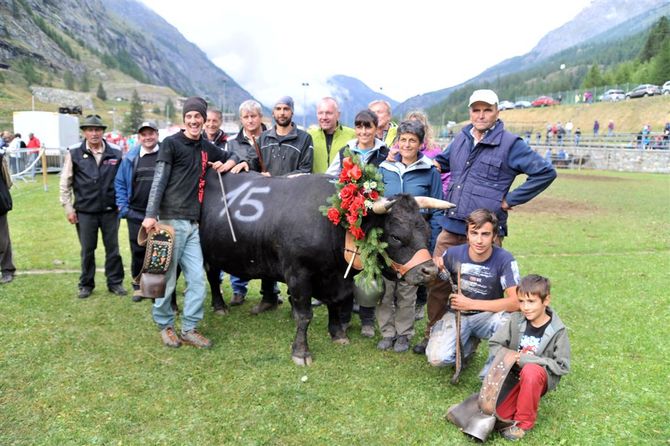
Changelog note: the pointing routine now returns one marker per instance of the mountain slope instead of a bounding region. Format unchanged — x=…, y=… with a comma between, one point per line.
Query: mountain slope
x=603, y=19
x=91, y=36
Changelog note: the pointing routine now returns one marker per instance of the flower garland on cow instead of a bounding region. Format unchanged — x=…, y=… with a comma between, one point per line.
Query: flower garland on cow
x=357, y=188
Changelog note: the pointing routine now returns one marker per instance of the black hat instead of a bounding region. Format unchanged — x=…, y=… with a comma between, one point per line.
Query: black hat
x=195, y=103
x=147, y=125
x=92, y=121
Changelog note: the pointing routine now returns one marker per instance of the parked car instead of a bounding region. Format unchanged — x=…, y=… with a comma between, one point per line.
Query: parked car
x=643, y=90
x=505, y=105
x=613, y=95
x=543, y=101
x=665, y=89
x=522, y=104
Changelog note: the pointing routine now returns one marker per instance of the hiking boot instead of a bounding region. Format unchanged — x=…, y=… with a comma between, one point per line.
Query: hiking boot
x=137, y=295
x=262, y=307
x=238, y=299
x=420, y=348
x=368, y=331
x=401, y=344
x=6, y=277
x=117, y=289
x=513, y=433
x=194, y=338
x=419, y=312
x=84, y=292
x=170, y=338
x=385, y=343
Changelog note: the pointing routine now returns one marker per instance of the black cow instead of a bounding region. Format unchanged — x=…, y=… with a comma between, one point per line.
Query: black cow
x=282, y=235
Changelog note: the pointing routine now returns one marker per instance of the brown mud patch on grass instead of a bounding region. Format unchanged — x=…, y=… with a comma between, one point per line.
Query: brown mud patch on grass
x=550, y=205
x=587, y=177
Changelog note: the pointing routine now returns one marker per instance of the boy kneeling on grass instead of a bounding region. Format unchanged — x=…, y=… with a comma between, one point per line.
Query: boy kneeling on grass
x=541, y=340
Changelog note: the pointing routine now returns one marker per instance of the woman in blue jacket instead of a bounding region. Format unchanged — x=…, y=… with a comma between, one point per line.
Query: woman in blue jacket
x=409, y=172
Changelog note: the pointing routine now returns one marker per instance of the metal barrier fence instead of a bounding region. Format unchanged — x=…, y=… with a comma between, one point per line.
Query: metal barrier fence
x=26, y=163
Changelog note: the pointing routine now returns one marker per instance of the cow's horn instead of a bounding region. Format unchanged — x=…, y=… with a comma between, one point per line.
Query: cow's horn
x=382, y=206
x=433, y=203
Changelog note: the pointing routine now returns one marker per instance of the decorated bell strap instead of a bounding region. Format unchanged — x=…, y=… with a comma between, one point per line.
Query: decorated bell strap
x=501, y=378
x=159, y=246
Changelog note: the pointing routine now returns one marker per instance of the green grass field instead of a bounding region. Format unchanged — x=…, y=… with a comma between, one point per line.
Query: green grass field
x=94, y=371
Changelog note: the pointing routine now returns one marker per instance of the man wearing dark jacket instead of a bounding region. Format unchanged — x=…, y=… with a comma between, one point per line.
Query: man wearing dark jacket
x=88, y=174
x=484, y=159
x=176, y=194
x=285, y=150
x=212, y=129
x=132, y=185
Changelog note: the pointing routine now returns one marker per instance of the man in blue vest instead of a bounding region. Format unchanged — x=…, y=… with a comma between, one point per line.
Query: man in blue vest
x=484, y=159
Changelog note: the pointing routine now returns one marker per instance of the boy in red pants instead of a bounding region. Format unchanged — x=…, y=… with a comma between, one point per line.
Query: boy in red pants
x=543, y=348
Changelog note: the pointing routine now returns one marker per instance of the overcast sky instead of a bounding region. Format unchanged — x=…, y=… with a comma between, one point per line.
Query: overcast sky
x=402, y=48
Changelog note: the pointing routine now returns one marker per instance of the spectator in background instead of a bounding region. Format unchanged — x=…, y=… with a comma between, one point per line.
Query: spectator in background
x=596, y=127
x=578, y=135
x=386, y=129
x=568, y=128
x=548, y=155
x=33, y=147
x=15, y=154
x=7, y=268
x=578, y=98
x=560, y=133
x=331, y=135
x=132, y=185
x=88, y=174
x=610, y=128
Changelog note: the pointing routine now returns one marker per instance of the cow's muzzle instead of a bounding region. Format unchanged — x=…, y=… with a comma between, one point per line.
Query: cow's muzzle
x=427, y=273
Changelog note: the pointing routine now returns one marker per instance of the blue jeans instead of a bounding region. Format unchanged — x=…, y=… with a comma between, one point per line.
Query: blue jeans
x=188, y=254
x=441, y=348
x=238, y=285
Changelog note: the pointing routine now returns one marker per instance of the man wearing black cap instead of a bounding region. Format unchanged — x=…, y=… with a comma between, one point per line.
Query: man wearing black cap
x=286, y=150
x=175, y=196
x=88, y=174
x=132, y=184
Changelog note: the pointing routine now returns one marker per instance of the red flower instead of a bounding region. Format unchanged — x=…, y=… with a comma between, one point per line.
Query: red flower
x=347, y=163
x=355, y=173
x=357, y=232
x=374, y=195
x=358, y=202
x=334, y=216
x=347, y=194
x=352, y=218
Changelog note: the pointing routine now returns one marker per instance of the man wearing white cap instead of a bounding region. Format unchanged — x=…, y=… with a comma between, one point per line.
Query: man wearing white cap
x=132, y=185
x=484, y=159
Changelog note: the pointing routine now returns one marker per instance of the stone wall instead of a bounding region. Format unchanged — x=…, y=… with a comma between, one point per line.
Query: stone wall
x=623, y=160
x=64, y=98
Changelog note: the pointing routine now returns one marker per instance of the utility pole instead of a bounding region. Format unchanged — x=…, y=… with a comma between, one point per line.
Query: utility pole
x=304, y=104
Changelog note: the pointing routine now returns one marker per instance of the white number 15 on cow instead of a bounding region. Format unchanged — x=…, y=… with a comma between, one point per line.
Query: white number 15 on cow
x=248, y=209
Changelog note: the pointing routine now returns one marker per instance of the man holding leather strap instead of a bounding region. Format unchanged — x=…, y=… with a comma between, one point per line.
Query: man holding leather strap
x=489, y=276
